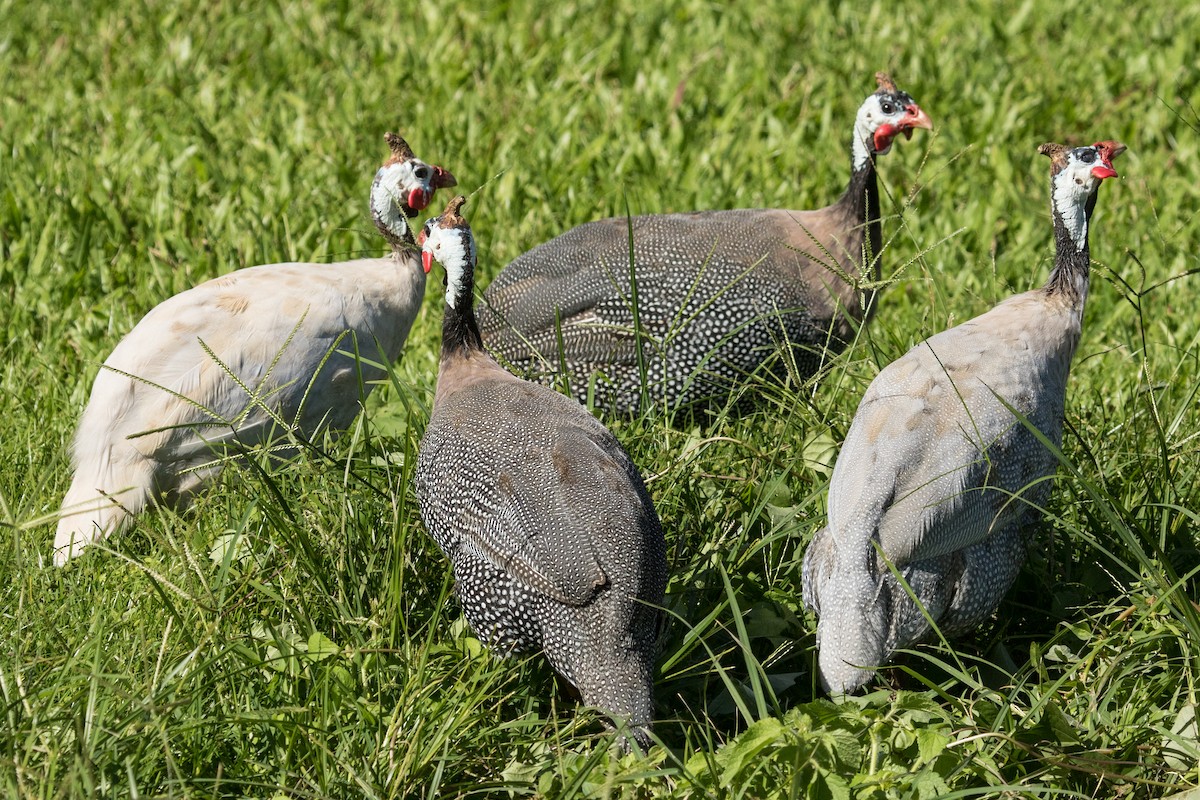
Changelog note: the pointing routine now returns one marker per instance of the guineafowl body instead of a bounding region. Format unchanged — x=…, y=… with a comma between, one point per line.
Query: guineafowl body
x=938, y=478
x=554, y=540
x=241, y=359
x=719, y=292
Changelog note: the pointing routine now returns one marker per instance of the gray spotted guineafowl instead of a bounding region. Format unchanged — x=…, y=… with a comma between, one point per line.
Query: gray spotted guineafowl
x=177, y=389
x=937, y=476
x=718, y=291
x=555, y=543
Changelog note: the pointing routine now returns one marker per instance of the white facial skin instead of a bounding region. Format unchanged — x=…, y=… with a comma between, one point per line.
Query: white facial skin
x=407, y=183
x=872, y=115
x=454, y=249
x=1072, y=187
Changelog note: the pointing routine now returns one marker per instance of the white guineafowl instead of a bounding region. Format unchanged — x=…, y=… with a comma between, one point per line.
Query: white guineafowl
x=241, y=359
x=717, y=292
x=937, y=476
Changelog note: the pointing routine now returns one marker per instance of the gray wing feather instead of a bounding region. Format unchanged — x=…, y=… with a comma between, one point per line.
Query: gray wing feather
x=915, y=440
x=543, y=515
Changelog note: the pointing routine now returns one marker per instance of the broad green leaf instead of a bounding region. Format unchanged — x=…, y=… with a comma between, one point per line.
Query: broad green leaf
x=320, y=647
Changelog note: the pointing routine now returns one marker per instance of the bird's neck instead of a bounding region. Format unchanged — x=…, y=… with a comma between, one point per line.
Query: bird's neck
x=860, y=203
x=460, y=330
x=1072, y=260
x=388, y=218
x=395, y=230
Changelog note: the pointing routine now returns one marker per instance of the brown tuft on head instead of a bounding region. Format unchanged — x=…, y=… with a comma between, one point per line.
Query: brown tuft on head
x=1057, y=154
x=885, y=82
x=450, y=218
x=400, y=149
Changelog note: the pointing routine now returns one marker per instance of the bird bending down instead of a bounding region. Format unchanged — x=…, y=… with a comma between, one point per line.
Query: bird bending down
x=938, y=479
x=718, y=291
x=555, y=543
x=240, y=360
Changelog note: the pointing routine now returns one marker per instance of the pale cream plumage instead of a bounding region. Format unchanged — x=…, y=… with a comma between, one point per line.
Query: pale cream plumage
x=164, y=409
x=938, y=478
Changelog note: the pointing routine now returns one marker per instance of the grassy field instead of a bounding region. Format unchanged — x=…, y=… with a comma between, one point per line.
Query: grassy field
x=297, y=635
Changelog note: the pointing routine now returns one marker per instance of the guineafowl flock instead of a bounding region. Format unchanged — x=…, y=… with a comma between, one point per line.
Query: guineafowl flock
x=546, y=521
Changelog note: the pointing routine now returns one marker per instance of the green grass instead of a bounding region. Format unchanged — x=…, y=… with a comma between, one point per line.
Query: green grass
x=297, y=636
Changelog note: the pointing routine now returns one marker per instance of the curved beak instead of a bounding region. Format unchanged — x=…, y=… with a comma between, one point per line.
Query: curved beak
x=426, y=256
x=442, y=179
x=914, y=117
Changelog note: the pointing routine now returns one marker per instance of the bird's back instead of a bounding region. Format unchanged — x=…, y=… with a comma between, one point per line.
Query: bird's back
x=940, y=472
x=263, y=332
x=937, y=433
x=523, y=456
x=555, y=542
x=707, y=282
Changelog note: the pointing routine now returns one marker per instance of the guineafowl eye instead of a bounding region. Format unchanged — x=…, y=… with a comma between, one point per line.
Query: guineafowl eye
x=887, y=107
x=1086, y=155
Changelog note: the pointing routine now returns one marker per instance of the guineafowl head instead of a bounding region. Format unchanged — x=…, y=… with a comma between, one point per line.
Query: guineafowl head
x=884, y=115
x=403, y=186
x=1075, y=175
x=447, y=239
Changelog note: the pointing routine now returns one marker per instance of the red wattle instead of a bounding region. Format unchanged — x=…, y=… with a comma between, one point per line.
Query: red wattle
x=427, y=260
x=418, y=199
x=1103, y=172
x=884, y=135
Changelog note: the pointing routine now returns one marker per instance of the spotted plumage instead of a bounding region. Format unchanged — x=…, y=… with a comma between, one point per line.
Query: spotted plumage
x=554, y=540
x=719, y=292
x=938, y=477
x=240, y=359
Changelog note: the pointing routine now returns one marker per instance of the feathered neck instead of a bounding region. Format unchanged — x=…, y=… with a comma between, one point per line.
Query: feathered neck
x=460, y=329
x=1072, y=258
x=860, y=203
x=387, y=214
x=388, y=210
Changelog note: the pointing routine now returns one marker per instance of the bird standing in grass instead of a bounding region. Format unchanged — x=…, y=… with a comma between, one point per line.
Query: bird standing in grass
x=942, y=474
x=718, y=292
x=555, y=543
x=241, y=360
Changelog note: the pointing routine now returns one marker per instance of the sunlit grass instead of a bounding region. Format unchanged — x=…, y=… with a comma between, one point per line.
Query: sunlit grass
x=297, y=634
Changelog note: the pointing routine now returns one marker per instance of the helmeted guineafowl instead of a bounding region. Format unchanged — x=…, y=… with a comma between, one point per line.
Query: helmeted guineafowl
x=937, y=476
x=718, y=291
x=555, y=543
x=173, y=396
